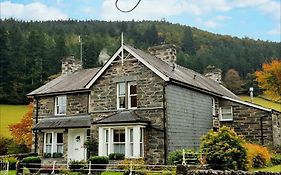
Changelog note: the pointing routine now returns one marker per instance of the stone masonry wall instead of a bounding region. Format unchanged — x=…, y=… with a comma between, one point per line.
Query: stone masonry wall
x=76, y=104
x=246, y=122
x=276, y=127
x=149, y=102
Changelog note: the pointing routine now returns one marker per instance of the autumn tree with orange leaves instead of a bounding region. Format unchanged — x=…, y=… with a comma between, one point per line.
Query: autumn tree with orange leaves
x=22, y=131
x=269, y=79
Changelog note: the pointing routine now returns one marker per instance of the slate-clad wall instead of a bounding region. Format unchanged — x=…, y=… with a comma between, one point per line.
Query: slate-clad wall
x=189, y=116
x=246, y=122
x=149, y=102
x=76, y=104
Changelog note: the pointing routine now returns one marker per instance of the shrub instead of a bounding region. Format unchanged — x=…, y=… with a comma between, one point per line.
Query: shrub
x=57, y=155
x=257, y=156
x=15, y=148
x=4, y=143
x=175, y=157
x=76, y=165
x=32, y=163
x=12, y=162
x=116, y=156
x=224, y=150
x=47, y=155
x=276, y=159
x=95, y=160
x=138, y=165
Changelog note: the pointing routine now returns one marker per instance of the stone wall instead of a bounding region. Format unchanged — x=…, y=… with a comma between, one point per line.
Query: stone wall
x=247, y=122
x=185, y=170
x=166, y=52
x=70, y=65
x=149, y=102
x=276, y=127
x=76, y=104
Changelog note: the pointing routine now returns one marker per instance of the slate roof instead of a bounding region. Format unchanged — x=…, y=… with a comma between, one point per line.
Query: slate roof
x=64, y=122
x=184, y=75
x=122, y=117
x=67, y=83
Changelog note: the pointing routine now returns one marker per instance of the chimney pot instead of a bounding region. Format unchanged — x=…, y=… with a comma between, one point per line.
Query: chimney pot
x=70, y=65
x=166, y=52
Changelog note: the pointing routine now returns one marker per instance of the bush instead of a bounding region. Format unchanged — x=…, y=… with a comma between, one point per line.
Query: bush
x=76, y=165
x=276, y=159
x=47, y=155
x=4, y=143
x=175, y=157
x=15, y=148
x=95, y=160
x=224, y=150
x=116, y=156
x=257, y=156
x=12, y=162
x=32, y=163
x=57, y=155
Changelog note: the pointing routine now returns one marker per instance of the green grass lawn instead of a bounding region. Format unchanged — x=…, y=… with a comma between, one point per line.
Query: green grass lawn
x=10, y=114
x=263, y=102
x=276, y=168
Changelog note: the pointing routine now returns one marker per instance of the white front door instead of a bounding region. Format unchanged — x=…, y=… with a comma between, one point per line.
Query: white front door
x=76, y=139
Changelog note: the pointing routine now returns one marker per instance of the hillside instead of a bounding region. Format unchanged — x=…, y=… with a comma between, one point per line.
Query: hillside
x=31, y=51
x=263, y=102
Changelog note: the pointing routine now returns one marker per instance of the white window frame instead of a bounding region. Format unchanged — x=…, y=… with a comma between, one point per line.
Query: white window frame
x=213, y=106
x=132, y=95
x=59, y=144
x=106, y=146
x=57, y=105
x=118, y=96
x=221, y=114
x=54, y=145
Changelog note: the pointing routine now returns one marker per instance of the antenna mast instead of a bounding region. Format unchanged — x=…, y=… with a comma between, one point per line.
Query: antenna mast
x=122, y=46
x=80, y=41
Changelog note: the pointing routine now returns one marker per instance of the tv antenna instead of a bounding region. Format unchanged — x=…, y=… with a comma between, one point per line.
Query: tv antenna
x=126, y=11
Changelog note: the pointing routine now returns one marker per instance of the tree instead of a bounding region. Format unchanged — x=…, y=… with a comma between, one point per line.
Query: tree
x=269, y=79
x=224, y=150
x=187, y=42
x=21, y=132
x=233, y=81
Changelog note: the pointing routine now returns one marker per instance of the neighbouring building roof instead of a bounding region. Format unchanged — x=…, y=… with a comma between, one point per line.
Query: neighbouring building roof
x=64, y=122
x=67, y=83
x=122, y=117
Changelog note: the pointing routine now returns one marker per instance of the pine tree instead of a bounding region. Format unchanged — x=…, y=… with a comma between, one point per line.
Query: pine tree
x=187, y=42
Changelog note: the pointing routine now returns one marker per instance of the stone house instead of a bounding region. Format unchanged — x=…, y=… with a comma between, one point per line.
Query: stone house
x=142, y=105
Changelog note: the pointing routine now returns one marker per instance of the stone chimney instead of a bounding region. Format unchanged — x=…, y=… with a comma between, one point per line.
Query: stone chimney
x=70, y=65
x=166, y=52
x=213, y=73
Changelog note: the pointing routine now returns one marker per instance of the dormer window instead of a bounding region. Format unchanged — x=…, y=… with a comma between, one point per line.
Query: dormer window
x=126, y=95
x=60, y=105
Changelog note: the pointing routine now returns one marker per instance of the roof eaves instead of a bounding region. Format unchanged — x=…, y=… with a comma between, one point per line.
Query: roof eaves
x=247, y=103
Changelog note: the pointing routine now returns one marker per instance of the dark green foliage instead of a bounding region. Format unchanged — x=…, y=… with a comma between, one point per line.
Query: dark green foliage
x=14, y=148
x=224, y=150
x=176, y=157
x=32, y=163
x=99, y=160
x=92, y=147
x=276, y=159
x=76, y=165
x=30, y=52
x=116, y=156
x=4, y=143
x=57, y=155
x=47, y=155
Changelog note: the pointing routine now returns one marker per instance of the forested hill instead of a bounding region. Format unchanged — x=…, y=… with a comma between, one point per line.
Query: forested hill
x=30, y=52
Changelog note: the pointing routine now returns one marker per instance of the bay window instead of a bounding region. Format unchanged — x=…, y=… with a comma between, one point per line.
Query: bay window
x=127, y=140
x=53, y=142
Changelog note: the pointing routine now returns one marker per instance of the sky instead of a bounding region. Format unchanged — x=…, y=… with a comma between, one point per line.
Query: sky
x=256, y=19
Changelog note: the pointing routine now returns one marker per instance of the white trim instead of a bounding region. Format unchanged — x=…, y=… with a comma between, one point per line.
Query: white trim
x=104, y=68
x=164, y=77
x=58, y=105
x=121, y=124
x=247, y=103
x=117, y=95
x=213, y=106
x=130, y=95
x=231, y=112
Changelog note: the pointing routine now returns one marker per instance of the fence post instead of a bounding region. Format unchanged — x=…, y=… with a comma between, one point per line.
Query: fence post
x=8, y=167
x=54, y=164
x=18, y=167
x=89, y=168
x=131, y=168
x=183, y=157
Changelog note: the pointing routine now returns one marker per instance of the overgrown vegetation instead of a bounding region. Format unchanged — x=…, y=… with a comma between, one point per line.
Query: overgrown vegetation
x=257, y=156
x=224, y=150
x=32, y=51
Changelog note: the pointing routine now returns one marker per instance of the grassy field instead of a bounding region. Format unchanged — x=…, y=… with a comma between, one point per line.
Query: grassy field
x=276, y=168
x=10, y=114
x=263, y=102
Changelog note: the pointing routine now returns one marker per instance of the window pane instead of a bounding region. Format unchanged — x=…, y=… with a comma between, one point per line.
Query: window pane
x=60, y=148
x=133, y=101
x=121, y=89
x=116, y=136
x=133, y=89
x=106, y=135
x=121, y=102
x=131, y=135
x=122, y=136
x=49, y=138
x=59, y=137
x=227, y=116
x=226, y=110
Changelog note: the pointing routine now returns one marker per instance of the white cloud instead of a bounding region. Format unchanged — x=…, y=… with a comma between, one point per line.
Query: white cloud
x=213, y=22
x=32, y=11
